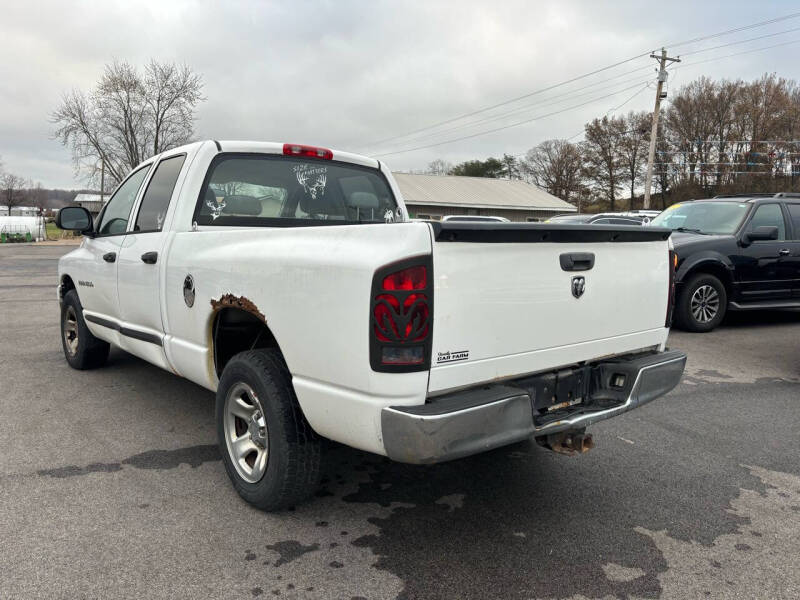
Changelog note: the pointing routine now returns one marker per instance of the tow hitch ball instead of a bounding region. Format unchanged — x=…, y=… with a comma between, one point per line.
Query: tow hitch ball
x=567, y=442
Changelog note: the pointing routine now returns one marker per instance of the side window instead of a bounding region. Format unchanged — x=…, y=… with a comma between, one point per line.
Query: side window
x=118, y=210
x=794, y=213
x=602, y=222
x=156, y=197
x=769, y=215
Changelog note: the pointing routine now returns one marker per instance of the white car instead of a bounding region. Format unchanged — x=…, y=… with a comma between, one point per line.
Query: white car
x=288, y=280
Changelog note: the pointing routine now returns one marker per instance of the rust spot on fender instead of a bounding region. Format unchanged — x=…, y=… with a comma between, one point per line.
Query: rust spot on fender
x=240, y=302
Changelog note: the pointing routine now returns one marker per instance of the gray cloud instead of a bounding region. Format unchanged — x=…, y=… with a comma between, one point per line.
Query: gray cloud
x=342, y=73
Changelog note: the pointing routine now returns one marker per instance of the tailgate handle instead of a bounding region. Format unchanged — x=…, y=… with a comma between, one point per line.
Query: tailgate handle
x=577, y=261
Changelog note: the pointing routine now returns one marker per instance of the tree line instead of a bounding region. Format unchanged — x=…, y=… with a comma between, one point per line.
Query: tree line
x=715, y=137
x=16, y=190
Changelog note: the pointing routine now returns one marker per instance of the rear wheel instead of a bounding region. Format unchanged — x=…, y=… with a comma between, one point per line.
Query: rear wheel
x=270, y=451
x=702, y=303
x=81, y=349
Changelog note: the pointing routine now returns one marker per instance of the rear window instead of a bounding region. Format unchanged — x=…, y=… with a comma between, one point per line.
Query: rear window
x=268, y=190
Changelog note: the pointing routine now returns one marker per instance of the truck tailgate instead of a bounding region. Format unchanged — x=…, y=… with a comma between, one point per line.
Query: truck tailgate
x=504, y=304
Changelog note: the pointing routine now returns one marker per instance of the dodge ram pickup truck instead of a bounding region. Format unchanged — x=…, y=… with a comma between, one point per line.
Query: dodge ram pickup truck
x=289, y=280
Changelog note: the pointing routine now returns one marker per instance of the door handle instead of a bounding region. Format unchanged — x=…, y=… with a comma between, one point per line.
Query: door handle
x=150, y=258
x=784, y=252
x=110, y=257
x=577, y=261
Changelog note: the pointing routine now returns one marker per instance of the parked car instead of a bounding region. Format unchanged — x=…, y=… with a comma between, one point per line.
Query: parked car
x=286, y=279
x=600, y=219
x=734, y=253
x=473, y=219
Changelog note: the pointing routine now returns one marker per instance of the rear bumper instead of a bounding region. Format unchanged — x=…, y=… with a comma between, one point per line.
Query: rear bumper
x=477, y=420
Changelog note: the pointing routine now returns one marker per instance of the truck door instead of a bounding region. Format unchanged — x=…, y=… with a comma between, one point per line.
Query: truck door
x=763, y=267
x=141, y=265
x=97, y=276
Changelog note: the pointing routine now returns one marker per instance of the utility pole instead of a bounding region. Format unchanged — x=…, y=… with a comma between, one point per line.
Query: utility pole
x=660, y=93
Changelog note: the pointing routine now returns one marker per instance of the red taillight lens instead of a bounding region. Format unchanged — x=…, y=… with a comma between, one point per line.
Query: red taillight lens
x=673, y=266
x=413, y=278
x=400, y=323
x=312, y=151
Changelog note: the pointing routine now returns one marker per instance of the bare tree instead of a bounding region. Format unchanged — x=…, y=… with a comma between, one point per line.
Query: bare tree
x=128, y=117
x=555, y=165
x=11, y=189
x=602, y=153
x=439, y=167
x=37, y=196
x=633, y=149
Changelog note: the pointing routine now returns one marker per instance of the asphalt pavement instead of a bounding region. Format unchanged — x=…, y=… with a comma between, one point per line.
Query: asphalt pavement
x=111, y=486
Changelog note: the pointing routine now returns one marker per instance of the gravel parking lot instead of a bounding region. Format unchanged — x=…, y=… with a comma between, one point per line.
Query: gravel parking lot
x=111, y=486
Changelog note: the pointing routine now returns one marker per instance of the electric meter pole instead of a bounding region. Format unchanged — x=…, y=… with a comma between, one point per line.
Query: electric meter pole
x=660, y=93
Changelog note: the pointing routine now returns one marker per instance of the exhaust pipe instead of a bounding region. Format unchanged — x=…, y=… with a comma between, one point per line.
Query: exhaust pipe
x=569, y=443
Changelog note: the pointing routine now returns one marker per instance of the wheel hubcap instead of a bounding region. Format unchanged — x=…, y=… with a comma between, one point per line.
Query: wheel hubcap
x=246, y=434
x=705, y=304
x=70, y=330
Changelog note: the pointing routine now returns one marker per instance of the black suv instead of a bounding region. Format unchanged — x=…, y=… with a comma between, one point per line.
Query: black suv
x=734, y=253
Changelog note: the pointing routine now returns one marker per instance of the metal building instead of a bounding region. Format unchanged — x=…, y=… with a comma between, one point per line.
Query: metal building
x=435, y=196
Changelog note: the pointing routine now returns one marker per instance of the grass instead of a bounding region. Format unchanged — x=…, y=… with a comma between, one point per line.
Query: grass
x=54, y=233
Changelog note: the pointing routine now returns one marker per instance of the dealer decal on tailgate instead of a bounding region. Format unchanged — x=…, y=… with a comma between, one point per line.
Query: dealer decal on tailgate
x=448, y=357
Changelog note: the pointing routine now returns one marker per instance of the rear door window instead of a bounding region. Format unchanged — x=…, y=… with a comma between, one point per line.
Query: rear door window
x=794, y=214
x=273, y=190
x=153, y=208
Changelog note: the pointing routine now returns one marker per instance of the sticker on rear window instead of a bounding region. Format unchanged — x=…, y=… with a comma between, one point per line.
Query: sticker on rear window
x=448, y=357
x=312, y=178
x=216, y=207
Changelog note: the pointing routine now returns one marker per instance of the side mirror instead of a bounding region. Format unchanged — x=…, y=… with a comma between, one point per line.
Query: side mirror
x=764, y=232
x=74, y=218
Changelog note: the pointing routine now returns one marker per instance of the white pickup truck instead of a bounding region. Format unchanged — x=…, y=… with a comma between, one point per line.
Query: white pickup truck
x=289, y=280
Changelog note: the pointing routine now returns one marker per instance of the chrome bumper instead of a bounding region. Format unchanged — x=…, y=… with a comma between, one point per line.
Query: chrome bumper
x=477, y=420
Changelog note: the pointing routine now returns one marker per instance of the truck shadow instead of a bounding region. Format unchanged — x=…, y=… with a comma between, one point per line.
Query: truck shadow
x=520, y=521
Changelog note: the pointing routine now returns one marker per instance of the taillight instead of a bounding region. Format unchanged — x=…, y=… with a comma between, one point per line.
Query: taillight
x=673, y=266
x=400, y=318
x=312, y=151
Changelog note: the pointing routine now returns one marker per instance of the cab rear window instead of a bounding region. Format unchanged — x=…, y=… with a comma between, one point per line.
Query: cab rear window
x=273, y=190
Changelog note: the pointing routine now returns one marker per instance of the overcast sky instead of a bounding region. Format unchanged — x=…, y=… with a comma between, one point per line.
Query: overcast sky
x=346, y=74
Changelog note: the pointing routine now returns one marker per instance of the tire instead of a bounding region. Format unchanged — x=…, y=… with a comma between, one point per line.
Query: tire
x=81, y=349
x=702, y=303
x=269, y=450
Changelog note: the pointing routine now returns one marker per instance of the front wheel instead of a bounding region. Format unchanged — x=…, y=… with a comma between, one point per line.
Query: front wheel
x=702, y=303
x=81, y=349
x=270, y=451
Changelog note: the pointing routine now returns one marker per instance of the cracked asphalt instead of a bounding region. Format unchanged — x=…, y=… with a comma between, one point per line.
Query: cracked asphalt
x=111, y=487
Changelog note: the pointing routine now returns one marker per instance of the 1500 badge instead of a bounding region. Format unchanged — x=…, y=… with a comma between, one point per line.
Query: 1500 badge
x=448, y=357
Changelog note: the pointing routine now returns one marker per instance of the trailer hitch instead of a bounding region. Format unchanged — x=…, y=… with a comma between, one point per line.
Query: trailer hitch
x=569, y=443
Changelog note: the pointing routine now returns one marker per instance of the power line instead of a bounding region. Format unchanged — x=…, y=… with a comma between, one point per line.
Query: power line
x=545, y=102
x=568, y=81
x=506, y=102
x=466, y=137
x=700, y=62
x=735, y=30
x=760, y=37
